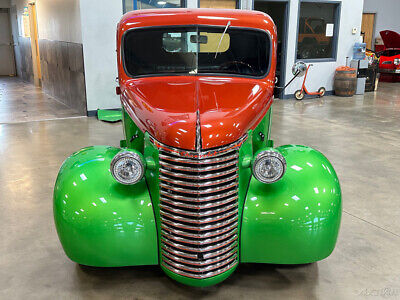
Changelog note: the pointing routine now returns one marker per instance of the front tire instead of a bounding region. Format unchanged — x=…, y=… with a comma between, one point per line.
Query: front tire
x=299, y=95
x=321, y=92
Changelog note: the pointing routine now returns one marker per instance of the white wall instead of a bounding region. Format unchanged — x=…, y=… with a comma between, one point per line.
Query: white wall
x=5, y=3
x=322, y=73
x=191, y=3
x=387, y=14
x=19, y=4
x=99, y=25
x=59, y=20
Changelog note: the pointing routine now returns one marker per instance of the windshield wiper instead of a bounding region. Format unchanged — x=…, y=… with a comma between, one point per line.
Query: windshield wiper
x=222, y=36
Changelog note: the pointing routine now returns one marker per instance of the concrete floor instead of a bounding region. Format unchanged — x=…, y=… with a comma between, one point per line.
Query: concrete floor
x=360, y=135
x=21, y=102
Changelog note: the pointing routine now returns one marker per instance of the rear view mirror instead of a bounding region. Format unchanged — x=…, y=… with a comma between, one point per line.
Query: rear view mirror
x=199, y=39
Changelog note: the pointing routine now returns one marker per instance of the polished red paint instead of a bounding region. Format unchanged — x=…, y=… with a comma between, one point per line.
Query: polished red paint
x=229, y=107
x=167, y=106
x=387, y=65
x=391, y=39
x=390, y=72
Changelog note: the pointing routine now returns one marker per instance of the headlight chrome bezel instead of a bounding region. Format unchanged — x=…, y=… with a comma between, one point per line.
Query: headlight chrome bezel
x=137, y=158
x=269, y=154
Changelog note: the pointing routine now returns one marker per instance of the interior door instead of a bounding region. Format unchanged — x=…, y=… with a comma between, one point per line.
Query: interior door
x=278, y=11
x=229, y=4
x=367, y=29
x=7, y=63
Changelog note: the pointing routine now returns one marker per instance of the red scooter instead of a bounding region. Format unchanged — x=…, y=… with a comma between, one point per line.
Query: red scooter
x=299, y=95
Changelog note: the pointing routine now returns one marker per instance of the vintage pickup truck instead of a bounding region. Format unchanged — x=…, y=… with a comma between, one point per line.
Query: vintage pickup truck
x=197, y=185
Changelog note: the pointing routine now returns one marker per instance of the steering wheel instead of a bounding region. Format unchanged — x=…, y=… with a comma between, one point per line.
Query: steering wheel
x=228, y=64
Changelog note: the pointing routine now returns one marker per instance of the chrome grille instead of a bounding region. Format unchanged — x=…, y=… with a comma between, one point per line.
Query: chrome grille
x=199, y=209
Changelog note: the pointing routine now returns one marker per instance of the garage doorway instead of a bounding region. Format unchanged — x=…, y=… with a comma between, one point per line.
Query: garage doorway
x=37, y=71
x=368, y=28
x=7, y=65
x=279, y=12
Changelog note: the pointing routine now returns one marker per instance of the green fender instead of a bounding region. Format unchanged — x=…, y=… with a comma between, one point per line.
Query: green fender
x=295, y=220
x=99, y=221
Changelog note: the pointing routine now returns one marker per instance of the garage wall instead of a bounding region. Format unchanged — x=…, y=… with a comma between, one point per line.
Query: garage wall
x=5, y=3
x=60, y=48
x=59, y=20
x=387, y=14
x=61, y=52
x=322, y=73
x=99, y=25
x=22, y=48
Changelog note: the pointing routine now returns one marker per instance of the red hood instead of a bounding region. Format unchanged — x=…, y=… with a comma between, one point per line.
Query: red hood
x=167, y=108
x=391, y=39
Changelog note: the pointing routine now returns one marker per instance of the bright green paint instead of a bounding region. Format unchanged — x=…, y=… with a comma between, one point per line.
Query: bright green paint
x=202, y=282
x=108, y=115
x=134, y=137
x=101, y=222
x=295, y=220
x=151, y=153
x=262, y=128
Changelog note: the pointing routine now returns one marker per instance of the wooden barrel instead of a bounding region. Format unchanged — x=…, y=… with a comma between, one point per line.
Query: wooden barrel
x=345, y=83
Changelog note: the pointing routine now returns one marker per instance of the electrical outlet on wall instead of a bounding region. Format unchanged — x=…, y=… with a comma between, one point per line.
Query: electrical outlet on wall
x=354, y=30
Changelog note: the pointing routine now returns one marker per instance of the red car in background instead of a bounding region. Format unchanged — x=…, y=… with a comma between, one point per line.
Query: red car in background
x=389, y=63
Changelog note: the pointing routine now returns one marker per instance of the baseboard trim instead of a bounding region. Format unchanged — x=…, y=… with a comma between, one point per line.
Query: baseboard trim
x=93, y=113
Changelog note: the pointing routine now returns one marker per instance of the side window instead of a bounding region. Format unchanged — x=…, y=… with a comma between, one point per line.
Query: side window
x=204, y=42
x=179, y=42
x=130, y=5
x=317, y=37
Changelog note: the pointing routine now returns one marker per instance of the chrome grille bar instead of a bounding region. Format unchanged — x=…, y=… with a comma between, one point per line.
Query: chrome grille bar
x=200, y=228
x=176, y=252
x=198, y=235
x=199, y=242
x=199, y=249
x=198, y=214
x=200, y=276
x=199, y=176
x=199, y=209
x=189, y=161
x=199, y=205
x=198, y=184
x=200, y=269
x=199, y=263
x=197, y=220
x=196, y=168
x=196, y=190
x=197, y=198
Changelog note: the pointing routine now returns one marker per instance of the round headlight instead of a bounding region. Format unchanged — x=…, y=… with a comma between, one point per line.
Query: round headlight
x=269, y=166
x=127, y=167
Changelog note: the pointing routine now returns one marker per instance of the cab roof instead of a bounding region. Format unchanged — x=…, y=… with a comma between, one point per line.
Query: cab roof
x=197, y=16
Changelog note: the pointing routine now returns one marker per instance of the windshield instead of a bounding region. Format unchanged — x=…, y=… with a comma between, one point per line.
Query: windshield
x=196, y=50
